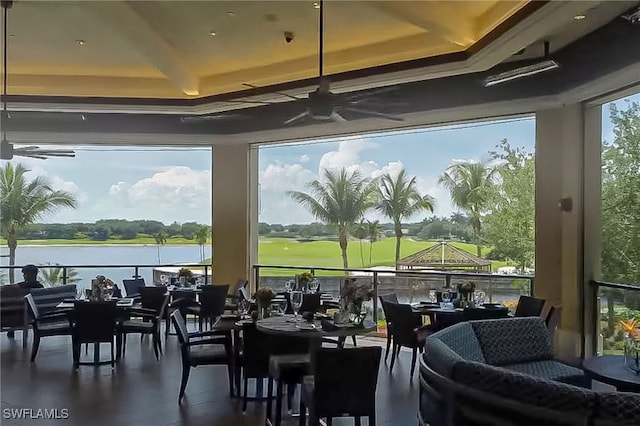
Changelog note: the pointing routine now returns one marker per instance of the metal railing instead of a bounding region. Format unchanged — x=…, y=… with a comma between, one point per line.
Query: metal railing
x=613, y=302
x=408, y=284
x=112, y=271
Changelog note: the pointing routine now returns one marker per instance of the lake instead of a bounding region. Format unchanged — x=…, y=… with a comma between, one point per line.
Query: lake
x=105, y=254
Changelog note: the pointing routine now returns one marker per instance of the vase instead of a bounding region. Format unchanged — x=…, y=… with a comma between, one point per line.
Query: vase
x=465, y=300
x=264, y=310
x=182, y=281
x=632, y=354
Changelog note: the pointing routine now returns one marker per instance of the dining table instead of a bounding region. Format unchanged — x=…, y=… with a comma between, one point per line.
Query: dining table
x=443, y=317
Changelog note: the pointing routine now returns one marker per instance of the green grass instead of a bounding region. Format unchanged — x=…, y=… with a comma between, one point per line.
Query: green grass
x=286, y=251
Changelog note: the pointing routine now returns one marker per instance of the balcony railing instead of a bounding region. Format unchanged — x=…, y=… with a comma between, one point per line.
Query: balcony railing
x=410, y=286
x=151, y=273
x=614, y=302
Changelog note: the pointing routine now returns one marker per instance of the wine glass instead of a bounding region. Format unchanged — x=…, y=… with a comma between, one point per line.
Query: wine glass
x=432, y=296
x=282, y=306
x=446, y=298
x=288, y=285
x=313, y=285
x=480, y=297
x=243, y=308
x=296, y=303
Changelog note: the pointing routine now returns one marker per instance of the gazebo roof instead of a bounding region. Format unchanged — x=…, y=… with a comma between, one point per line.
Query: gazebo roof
x=442, y=256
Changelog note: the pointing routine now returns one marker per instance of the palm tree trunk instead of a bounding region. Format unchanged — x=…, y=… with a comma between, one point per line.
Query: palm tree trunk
x=343, y=247
x=12, y=242
x=370, y=251
x=361, y=253
x=159, y=254
x=398, y=229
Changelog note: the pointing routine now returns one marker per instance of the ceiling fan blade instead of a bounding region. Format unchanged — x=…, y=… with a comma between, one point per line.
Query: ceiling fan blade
x=368, y=93
x=279, y=93
x=206, y=118
x=373, y=113
x=297, y=118
x=338, y=118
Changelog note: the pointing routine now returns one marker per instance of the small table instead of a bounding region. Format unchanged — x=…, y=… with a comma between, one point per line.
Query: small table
x=611, y=369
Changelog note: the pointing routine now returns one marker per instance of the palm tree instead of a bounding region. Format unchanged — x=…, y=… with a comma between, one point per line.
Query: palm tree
x=469, y=185
x=161, y=239
x=340, y=201
x=399, y=199
x=53, y=276
x=373, y=232
x=201, y=236
x=24, y=201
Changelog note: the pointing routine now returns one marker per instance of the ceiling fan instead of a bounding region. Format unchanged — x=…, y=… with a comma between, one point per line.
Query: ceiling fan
x=322, y=104
x=7, y=150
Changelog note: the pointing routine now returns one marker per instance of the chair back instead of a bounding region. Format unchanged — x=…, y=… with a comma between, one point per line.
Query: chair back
x=553, y=320
x=132, y=287
x=46, y=299
x=346, y=380
x=235, y=289
x=32, y=307
x=391, y=297
x=213, y=300
x=152, y=297
x=256, y=350
x=94, y=322
x=404, y=323
x=181, y=327
x=529, y=307
x=12, y=306
x=243, y=294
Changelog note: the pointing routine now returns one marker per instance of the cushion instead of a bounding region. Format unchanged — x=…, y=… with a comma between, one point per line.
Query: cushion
x=618, y=408
x=440, y=357
x=461, y=339
x=551, y=370
x=513, y=340
x=524, y=388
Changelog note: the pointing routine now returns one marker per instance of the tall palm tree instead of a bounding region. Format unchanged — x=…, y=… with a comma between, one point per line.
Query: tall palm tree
x=53, y=276
x=360, y=232
x=202, y=235
x=23, y=201
x=470, y=185
x=341, y=200
x=399, y=199
x=161, y=238
x=373, y=232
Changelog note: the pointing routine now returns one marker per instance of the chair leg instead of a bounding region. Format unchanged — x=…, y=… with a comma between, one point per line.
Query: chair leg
x=302, y=421
x=185, y=377
x=329, y=421
x=393, y=358
x=158, y=339
x=278, y=404
x=35, y=346
x=413, y=360
x=354, y=341
x=76, y=354
x=230, y=377
x=124, y=343
x=357, y=421
x=372, y=418
x=118, y=346
x=113, y=359
x=386, y=354
x=244, y=395
x=269, y=400
x=291, y=390
x=155, y=346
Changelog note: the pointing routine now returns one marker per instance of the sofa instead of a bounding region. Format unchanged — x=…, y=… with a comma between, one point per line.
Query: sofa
x=502, y=372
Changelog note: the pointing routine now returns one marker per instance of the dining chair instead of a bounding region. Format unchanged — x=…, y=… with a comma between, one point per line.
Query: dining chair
x=145, y=320
x=211, y=304
x=92, y=322
x=234, y=295
x=529, y=307
x=391, y=297
x=343, y=383
x=132, y=286
x=193, y=354
x=45, y=324
x=254, y=359
x=553, y=320
x=405, y=322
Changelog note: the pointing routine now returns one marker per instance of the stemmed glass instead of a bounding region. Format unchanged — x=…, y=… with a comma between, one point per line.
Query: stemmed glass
x=432, y=296
x=480, y=297
x=243, y=308
x=313, y=285
x=288, y=285
x=282, y=306
x=446, y=297
x=296, y=303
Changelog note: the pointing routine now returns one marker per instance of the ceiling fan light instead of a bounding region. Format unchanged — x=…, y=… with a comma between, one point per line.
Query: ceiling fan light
x=521, y=72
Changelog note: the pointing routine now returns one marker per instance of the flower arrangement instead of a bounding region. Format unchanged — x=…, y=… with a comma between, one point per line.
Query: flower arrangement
x=185, y=272
x=264, y=296
x=305, y=277
x=467, y=287
x=101, y=288
x=353, y=292
x=631, y=344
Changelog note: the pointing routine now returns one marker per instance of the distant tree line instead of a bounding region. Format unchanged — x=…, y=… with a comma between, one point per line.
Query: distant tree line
x=103, y=230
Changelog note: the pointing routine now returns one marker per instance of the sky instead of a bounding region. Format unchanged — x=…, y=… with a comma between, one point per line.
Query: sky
x=174, y=184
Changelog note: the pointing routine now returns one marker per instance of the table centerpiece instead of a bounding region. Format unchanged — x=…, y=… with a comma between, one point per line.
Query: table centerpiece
x=264, y=296
x=352, y=296
x=465, y=294
x=303, y=280
x=101, y=288
x=631, y=344
x=184, y=275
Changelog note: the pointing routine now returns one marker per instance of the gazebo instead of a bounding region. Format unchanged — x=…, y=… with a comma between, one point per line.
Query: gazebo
x=443, y=256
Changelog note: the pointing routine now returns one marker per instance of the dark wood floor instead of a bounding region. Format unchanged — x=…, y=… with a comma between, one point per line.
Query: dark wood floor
x=143, y=391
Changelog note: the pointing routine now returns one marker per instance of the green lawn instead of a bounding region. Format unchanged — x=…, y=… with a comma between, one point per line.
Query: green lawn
x=286, y=251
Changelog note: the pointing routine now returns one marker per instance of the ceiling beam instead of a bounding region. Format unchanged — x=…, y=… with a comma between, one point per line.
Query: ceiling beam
x=122, y=17
x=406, y=11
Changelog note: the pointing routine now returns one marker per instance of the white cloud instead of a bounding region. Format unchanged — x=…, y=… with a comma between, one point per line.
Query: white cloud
x=177, y=192
x=347, y=155
x=304, y=158
x=285, y=177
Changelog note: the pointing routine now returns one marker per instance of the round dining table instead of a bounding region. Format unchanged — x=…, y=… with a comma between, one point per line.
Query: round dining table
x=314, y=330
